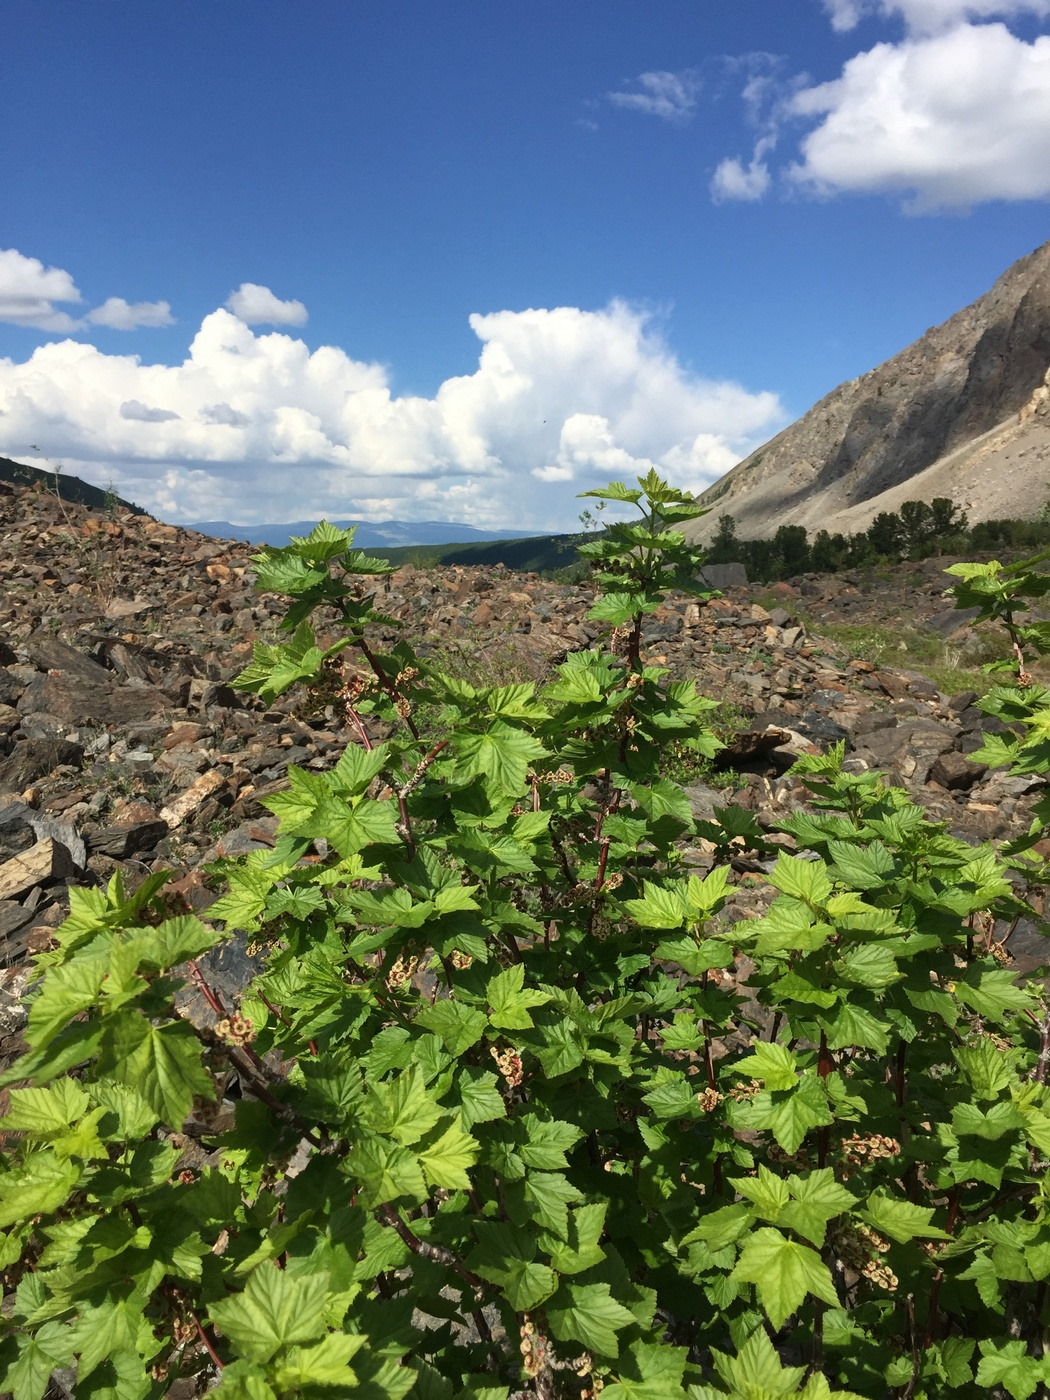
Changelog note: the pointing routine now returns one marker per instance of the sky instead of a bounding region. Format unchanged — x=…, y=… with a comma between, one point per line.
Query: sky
x=463, y=259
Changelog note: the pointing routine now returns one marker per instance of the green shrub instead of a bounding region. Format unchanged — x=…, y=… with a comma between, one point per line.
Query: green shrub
x=513, y=1118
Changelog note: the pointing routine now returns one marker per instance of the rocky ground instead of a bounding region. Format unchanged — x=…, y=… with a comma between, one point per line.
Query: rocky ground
x=123, y=747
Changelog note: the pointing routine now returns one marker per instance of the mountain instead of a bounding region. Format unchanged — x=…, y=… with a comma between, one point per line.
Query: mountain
x=964, y=413
x=66, y=488
x=390, y=534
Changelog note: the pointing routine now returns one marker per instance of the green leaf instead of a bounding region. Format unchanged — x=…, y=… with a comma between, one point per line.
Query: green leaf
x=501, y=756
x=816, y=1199
x=783, y=1273
x=900, y=1220
x=806, y=880
x=459, y=1026
x=992, y=992
x=38, y=1354
x=275, y=1310
x=41, y=1184
x=509, y=1003
x=507, y=1258
x=581, y=1249
x=756, y=1372
x=547, y=1143
x=480, y=1099
x=402, y=1109
x=1009, y=1365
x=588, y=1313
x=774, y=1065
x=869, y=965
x=67, y=991
x=545, y=1198
x=162, y=1063
x=650, y=1371
x=324, y=1363
x=46, y=1112
x=769, y=1193
x=658, y=908
x=445, y=1163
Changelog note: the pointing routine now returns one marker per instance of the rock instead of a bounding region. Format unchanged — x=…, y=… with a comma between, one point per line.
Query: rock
x=176, y=811
x=952, y=621
x=77, y=701
x=962, y=701
x=123, y=841
x=722, y=576
x=956, y=773
x=47, y=860
x=34, y=758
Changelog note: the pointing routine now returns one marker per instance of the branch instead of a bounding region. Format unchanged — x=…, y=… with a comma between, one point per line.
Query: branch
x=426, y=1250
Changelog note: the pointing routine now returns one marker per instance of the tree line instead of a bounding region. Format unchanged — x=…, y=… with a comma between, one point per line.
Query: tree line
x=920, y=530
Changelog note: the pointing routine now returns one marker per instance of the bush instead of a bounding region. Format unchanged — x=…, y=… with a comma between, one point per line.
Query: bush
x=518, y=1110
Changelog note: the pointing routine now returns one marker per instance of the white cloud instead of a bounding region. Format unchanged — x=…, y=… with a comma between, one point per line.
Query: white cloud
x=949, y=120
x=661, y=94
x=733, y=180
x=929, y=15
x=257, y=306
x=29, y=290
x=119, y=315
x=257, y=427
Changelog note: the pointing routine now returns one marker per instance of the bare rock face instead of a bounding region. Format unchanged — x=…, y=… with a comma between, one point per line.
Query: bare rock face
x=945, y=410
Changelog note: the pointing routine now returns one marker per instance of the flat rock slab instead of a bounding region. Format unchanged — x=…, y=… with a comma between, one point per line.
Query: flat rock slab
x=47, y=860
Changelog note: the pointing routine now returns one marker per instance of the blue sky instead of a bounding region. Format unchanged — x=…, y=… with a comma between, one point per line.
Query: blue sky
x=675, y=225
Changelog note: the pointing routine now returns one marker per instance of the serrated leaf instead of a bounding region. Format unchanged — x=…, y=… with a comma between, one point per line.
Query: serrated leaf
x=900, y=1220
x=162, y=1063
x=1007, y=1363
x=806, y=880
x=783, y=1272
x=501, y=756
x=992, y=992
x=38, y=1354
x=547, y=1143
x=445, y=1163
x=402, y=1109
x=774, y=1065
x=458, y=1025
x=275, y=1310
x=588, y=1313
x=46, y=1112
x=42, y=1183
x=507, y=1258
x=509, y=1003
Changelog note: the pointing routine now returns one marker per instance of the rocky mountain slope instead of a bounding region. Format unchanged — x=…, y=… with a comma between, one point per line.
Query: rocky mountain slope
x=124, y=748
x=964, y=413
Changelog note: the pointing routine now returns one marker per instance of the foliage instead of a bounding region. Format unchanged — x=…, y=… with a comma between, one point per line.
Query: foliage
x=920, y=530
x=517, y=1108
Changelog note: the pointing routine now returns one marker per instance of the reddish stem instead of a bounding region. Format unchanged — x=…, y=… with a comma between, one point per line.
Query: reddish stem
x=209, y=1345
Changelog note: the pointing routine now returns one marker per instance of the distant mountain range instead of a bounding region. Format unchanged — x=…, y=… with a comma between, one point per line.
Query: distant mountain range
x=963, y=413
x=371, y=534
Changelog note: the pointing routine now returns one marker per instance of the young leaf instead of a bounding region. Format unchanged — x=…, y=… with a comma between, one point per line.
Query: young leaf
x=783, y=1272
x=275, y=1310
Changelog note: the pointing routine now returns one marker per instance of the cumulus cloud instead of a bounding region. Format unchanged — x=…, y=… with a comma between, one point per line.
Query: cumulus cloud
x=119, y=315
x=257, y=306
x=257, y=427
x=29, y=291
x=929, y=15
x=671, y=96
x=950, y=120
